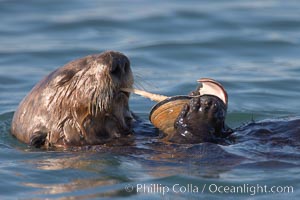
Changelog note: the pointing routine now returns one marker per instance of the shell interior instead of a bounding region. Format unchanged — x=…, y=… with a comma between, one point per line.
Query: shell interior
x=212, y=87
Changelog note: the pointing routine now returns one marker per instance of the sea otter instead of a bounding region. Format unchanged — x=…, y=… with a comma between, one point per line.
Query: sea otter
x=78, y=104
x=83, y=103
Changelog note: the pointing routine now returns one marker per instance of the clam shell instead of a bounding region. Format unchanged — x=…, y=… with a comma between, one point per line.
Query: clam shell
x=164, y=113
x=213, y=87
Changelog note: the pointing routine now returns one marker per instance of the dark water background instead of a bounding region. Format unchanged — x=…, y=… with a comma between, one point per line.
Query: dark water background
x=251, y=47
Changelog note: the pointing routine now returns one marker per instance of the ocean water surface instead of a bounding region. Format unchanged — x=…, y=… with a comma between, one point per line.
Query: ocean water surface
x=251, y=47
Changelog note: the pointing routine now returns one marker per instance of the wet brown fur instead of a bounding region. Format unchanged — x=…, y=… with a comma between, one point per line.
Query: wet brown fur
x=77, y=104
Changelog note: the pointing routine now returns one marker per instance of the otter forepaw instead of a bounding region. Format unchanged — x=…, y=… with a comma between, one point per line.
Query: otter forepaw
x=202, y=120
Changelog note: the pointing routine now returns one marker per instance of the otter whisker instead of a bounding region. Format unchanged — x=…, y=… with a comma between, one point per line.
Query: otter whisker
x=141, y=83
x=89, y=108
x=92, y=103
x=97, y=105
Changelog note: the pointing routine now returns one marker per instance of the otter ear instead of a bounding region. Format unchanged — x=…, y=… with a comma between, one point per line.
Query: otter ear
x=38, y=139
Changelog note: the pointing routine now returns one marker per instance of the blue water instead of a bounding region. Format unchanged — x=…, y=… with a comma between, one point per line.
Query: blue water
x=251, y=47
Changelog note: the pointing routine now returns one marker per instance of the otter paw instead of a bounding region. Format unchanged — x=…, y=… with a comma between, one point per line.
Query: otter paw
x=202, y=120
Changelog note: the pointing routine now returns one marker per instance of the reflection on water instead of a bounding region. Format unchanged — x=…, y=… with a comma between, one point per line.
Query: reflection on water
x=252, y=48
x=74, y=185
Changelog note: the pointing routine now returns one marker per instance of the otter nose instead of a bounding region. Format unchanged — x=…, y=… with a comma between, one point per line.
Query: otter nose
x=120, y=67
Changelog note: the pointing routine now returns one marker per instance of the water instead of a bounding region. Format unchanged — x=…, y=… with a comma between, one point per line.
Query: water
x=251, y=47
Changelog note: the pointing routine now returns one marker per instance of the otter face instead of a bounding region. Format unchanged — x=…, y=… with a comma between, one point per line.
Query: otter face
x=110, y=72
x=99, y=107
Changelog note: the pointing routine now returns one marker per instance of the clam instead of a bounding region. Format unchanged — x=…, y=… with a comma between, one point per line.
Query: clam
x=165, y=112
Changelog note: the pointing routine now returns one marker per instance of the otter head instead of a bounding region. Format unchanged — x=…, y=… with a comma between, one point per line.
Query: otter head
x=81, y=103
x=89, y=90
x=107, y=102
